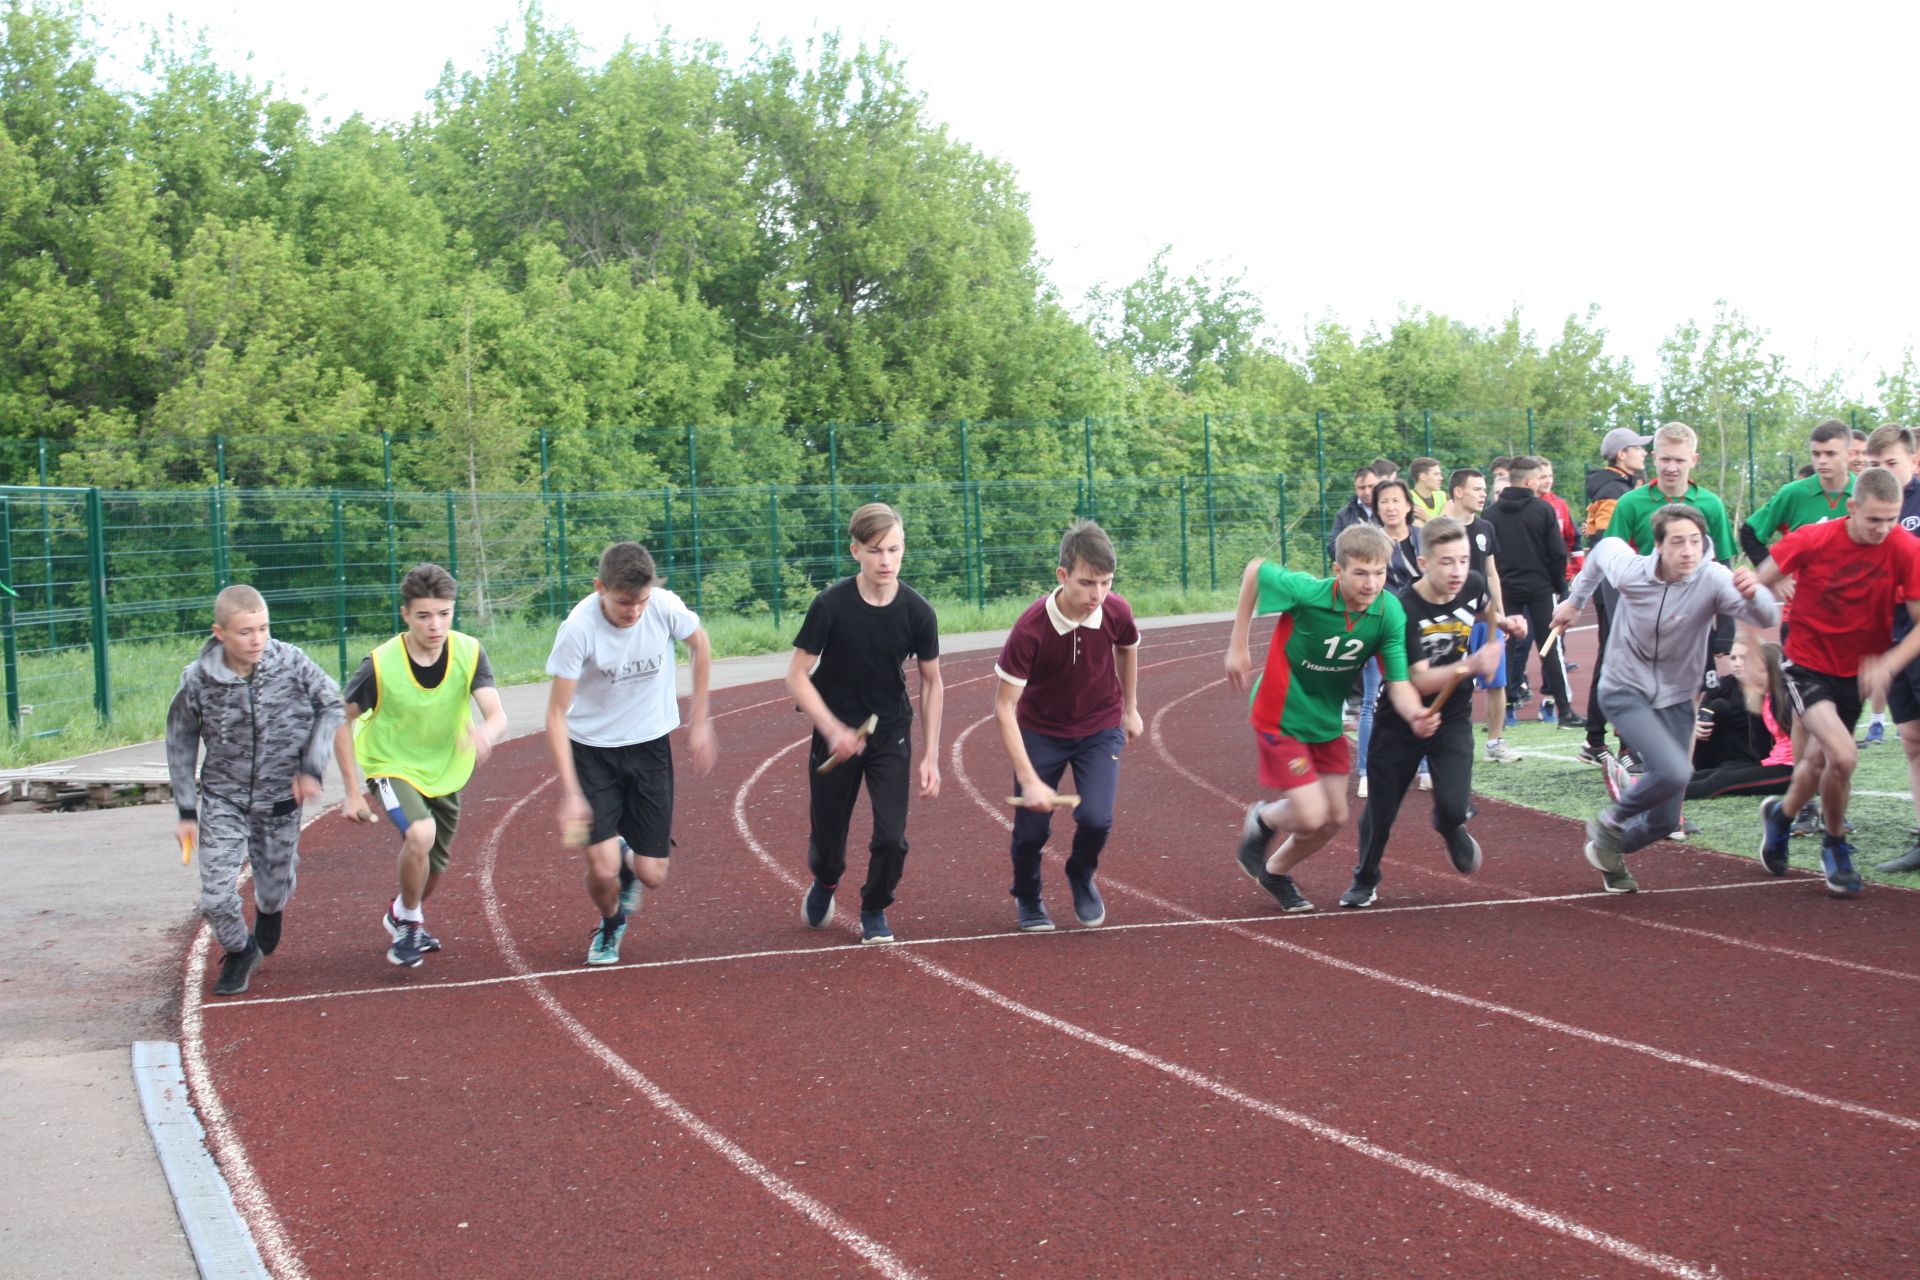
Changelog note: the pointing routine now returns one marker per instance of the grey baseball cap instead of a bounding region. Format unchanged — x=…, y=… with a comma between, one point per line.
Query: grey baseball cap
x=1621, y=438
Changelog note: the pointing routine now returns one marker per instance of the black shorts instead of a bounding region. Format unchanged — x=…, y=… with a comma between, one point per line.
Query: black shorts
x=1903, y=695
x=1809, y=686
x=630, y=790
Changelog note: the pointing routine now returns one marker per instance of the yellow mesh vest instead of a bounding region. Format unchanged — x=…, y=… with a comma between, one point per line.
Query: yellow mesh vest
x=414, y=734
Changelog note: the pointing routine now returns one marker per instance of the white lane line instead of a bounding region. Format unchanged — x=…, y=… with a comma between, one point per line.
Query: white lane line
x=1490, y=1196
x=1472, y=1002
x=587, y=974
x=1576, y=902
x=869, y=1250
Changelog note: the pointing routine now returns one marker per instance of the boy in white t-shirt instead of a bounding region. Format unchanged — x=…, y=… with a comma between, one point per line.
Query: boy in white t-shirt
x=608, y=717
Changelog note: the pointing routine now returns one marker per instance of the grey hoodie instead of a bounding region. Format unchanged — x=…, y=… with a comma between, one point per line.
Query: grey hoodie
x=259, y=733
x=1658, y=644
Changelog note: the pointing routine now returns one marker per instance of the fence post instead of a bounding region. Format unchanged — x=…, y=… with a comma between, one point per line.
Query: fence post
x=1529, y=430
x=393, y=539
x=1320, y=495
x=1753, y=488
x=773, y=547
x=1183, y=533
x=693, y=510
x=46, y=547
x=1426, y=430
x=560, y=538
x=9, y=643
x=1283, y=519
x=833, y=494
x=453, y=551
x=97, y=585
x=340, y=581
x=1213, y=559
x=220, y=457
x=217, y=526
x=666, y=510
x=966, y=521
x=979, y=555
x=1086, y=434
x=546, y=524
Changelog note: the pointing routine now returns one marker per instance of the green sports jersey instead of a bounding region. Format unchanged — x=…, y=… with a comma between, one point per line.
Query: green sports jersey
x=1798, y=503
x=1633, y=518
x=1318, y=648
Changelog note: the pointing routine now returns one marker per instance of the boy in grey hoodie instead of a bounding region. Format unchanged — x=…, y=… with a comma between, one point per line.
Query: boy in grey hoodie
x=267, y=715
x=1661, y=625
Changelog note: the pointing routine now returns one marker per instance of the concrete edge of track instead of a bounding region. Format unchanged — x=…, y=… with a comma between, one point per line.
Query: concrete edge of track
x=223, y=1248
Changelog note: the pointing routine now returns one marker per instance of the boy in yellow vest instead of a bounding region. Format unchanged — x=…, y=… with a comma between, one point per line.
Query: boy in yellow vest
x=410, y=728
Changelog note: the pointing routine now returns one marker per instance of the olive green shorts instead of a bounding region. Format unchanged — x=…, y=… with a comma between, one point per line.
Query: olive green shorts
x=404, y=804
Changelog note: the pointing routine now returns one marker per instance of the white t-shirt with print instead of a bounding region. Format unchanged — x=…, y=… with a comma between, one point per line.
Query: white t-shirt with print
x=625, y=692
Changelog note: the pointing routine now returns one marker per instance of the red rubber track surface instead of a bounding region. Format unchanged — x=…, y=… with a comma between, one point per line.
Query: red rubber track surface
x=1508, y=1074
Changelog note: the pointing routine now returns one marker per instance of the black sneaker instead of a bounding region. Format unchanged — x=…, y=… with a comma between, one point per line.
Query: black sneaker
x=266, y=931
x=1288, y=894
x=393, y=925
x=1836, y=859
x=1908, y=861
x=409, y=945
x=1088, y=906
x=237, y=970
x=1807, y=821
x=1464, y=850
x=1571, y=719
x=1033, y=916
x=1590, y=754
x=816, y=909
x=1358, y=895
x=1774, y=834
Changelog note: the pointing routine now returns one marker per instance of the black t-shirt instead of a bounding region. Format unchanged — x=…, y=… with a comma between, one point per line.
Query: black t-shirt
x=862, y=649
x=1439, y=635
x=1482, y=542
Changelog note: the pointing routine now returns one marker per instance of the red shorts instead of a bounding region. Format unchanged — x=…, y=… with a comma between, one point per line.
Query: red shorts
x=1286, y=763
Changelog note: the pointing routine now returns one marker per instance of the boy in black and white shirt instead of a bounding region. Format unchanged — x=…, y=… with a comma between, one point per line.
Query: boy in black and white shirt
x=611, y=708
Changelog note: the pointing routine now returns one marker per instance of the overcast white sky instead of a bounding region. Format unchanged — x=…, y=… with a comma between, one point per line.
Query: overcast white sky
x=1350, y=160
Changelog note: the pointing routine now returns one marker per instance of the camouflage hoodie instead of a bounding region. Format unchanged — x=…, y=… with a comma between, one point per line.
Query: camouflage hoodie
x=259, y=733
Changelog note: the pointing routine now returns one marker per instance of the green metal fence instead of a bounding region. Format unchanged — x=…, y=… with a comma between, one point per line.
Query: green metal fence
x=106, y=592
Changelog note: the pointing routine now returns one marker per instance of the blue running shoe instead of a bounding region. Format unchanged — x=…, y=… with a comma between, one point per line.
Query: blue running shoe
x=1512, y=719
x=817, y=907
x=395, y=924
x=1546, y=711
x=1776, y=830
x=873, y=928
x=1876, y=734
x=605, y=947
x=1033, y=916
x=1836, y=858
x=1088, y=907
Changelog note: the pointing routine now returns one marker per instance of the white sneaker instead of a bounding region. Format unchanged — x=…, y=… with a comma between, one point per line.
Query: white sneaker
x=1425, y=781
x=1362, y=791
x=1499, y=752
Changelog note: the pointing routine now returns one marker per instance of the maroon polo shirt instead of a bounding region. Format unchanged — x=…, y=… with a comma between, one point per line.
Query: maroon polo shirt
x=1065, y=669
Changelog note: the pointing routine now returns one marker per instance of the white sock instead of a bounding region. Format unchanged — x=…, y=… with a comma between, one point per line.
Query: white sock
x=401, y=911
x=1878, y=718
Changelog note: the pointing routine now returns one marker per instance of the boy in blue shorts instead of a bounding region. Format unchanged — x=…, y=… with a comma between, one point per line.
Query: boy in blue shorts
x=1328, y=628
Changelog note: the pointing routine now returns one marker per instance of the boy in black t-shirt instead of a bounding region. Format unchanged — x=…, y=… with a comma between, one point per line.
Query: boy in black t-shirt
x=846, y=667
x=1442, y=607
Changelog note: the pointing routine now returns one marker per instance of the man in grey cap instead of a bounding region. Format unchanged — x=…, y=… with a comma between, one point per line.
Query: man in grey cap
x=1625, y=453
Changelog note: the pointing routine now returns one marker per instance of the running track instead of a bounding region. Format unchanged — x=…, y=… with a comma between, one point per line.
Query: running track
x=1512, y=1074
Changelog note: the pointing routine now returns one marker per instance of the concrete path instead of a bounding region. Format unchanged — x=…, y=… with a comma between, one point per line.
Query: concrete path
x=95, y=915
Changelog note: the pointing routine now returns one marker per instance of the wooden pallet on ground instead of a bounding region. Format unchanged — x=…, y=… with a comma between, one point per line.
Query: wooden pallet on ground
x=77, y=785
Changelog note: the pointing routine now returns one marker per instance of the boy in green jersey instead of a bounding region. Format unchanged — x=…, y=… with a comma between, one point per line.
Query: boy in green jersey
x=1808, y=500
x=410, y=727
x=1676, y=452
x=1328, y=628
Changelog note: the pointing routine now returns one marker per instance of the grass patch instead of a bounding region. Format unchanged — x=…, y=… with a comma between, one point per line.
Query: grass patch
x=59, y=686
x=1552, y=780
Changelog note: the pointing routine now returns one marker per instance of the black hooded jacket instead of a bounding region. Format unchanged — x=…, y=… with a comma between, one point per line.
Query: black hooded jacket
x=1533, y=555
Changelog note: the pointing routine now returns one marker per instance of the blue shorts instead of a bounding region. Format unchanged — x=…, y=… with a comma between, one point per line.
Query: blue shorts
x=1474, y=641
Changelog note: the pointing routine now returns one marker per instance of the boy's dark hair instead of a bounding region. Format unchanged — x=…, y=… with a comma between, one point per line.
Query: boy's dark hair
x=1420, y=466
x=1364, y=471
x=238, y=598
x=1876, y=483
x=1859, y=436
x=871, y=521
x=1086, y=543
x=1830, y=429
x=1460, y=476
x=625, y=567
x=1890, y=435
x=1385, y=467
x=1502, y=463
x=1678, y=511
x=1524, y=465
x=1806, y=469
x=427, y=582
x=1441, y=529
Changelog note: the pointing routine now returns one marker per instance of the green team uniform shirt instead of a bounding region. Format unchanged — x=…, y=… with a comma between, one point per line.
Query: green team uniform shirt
x=1633, y=518
x=1319, y=645
x=1798, y=503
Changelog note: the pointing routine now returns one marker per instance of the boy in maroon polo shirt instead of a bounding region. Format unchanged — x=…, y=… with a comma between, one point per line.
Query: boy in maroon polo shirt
x=1847, y=576
x=1068, y=675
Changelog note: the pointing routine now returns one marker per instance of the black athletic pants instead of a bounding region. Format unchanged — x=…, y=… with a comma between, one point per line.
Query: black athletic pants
x=1553, y=666
x=886, y=765
x=1393, y=758
x=1741, y=780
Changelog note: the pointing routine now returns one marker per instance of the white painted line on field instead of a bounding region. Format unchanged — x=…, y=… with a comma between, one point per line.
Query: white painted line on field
x=869, y=1250
x=1479, y=1191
